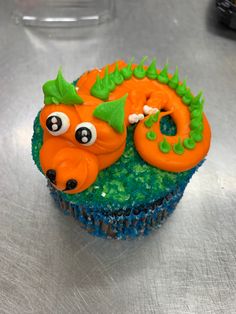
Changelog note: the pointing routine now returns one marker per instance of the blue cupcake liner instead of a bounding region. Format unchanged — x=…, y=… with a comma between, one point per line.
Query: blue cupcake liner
x=122, y=224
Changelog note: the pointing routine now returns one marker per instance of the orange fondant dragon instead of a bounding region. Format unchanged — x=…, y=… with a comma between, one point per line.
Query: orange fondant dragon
x=85, y=126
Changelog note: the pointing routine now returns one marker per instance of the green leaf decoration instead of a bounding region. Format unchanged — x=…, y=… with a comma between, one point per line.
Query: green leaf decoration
x=113, y=112
x=59, y=91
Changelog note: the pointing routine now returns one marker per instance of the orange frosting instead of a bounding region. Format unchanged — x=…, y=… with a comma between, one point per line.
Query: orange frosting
x=73, y=160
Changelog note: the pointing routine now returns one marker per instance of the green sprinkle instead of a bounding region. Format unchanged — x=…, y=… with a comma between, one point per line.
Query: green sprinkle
x=98, y=90
x=117, y=77
x=164, y=146
x=151, y=135
x=163, y=76
x=189, y=143
x=178, y=148
x=151, y=72
x=196, y=135
x=182, y=89
x=139, y=71
x=187, y=98
x=127, y=71
x=174, y=81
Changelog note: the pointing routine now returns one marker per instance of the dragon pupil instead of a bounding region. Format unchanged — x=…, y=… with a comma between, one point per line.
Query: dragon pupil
x=80, y=135
x=54, y=123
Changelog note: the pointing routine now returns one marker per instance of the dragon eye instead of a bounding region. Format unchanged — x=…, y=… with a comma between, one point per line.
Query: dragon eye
x=85, y=133
x=57, y=123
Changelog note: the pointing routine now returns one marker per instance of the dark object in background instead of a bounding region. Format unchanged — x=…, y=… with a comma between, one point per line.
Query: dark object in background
x=226, y=12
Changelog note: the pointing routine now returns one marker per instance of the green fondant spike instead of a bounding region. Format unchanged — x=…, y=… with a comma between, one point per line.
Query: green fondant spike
x=59, y=91
x=174, y=81
x=181, y=90
x=196, y=113
x=163, y=75
x=196, y=123
x=151, y=135
x=151, y=72
x=139, y=71
x=107, y=82
x=127, y=71
x=187, y=97
x=113, y=112
x=116, y=76
x=189, y=143
x=178, y=148
x=164, y=146
x=196, y=100
x=98, y=90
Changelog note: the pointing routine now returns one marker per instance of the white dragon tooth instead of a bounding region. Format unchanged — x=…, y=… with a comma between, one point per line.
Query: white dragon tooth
x=146, y=109
x=140, y=116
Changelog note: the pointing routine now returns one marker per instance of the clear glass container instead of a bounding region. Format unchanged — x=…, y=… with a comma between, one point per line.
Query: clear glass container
x=63, y=13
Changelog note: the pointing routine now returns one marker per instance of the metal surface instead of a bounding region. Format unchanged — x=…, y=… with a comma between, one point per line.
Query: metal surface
x=47, y=263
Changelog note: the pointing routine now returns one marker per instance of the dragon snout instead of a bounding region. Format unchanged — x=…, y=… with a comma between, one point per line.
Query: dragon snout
x=75, y=173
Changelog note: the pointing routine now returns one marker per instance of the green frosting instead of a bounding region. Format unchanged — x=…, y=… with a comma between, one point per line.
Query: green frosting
x=196, y=135
x=117, y=77
x=139, y=71
x=178, y=148
x=163, y=76
x=164, y=146
x=113, y=112
x=59, y=91
x=187, y=98
x=108, y=82
x=174, y=81
x=127, y=71
x=196, y=123
x=152, y=119
x=98, y=90
x=189, y=143
x=196, y=102
x=196, y=113
x=182, y=89
x=151, y=72
x=151, y=135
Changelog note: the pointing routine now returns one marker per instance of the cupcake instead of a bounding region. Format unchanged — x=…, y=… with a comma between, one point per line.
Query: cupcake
x=119, y=145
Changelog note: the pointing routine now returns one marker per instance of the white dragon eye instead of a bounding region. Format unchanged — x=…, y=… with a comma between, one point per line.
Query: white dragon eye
x=85, y=133
x=57, y=123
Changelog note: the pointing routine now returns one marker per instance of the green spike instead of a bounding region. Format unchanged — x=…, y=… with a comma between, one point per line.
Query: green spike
x=196, y=135
x=151, y=135
x=196, y=100
x=178, y=148
x=127, y=71
x=59, y=91
x=151, y=72
x=151, y=119
x=187, y=98
x=189, y=143
x=164, y=146
x=117, y=77
x=107, y=82
x=163, y=75
x=98, y=90
x=113, y=112
x=181, y=90
x=196, y=113
x=174, y=81
x=139, y=71
x=195, y=123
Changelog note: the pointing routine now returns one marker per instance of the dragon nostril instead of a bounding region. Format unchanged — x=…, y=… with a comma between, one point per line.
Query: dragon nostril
x=71, y=184
x=51, y=175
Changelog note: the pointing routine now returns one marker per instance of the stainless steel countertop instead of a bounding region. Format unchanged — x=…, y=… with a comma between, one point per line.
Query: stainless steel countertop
x=48, y=264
